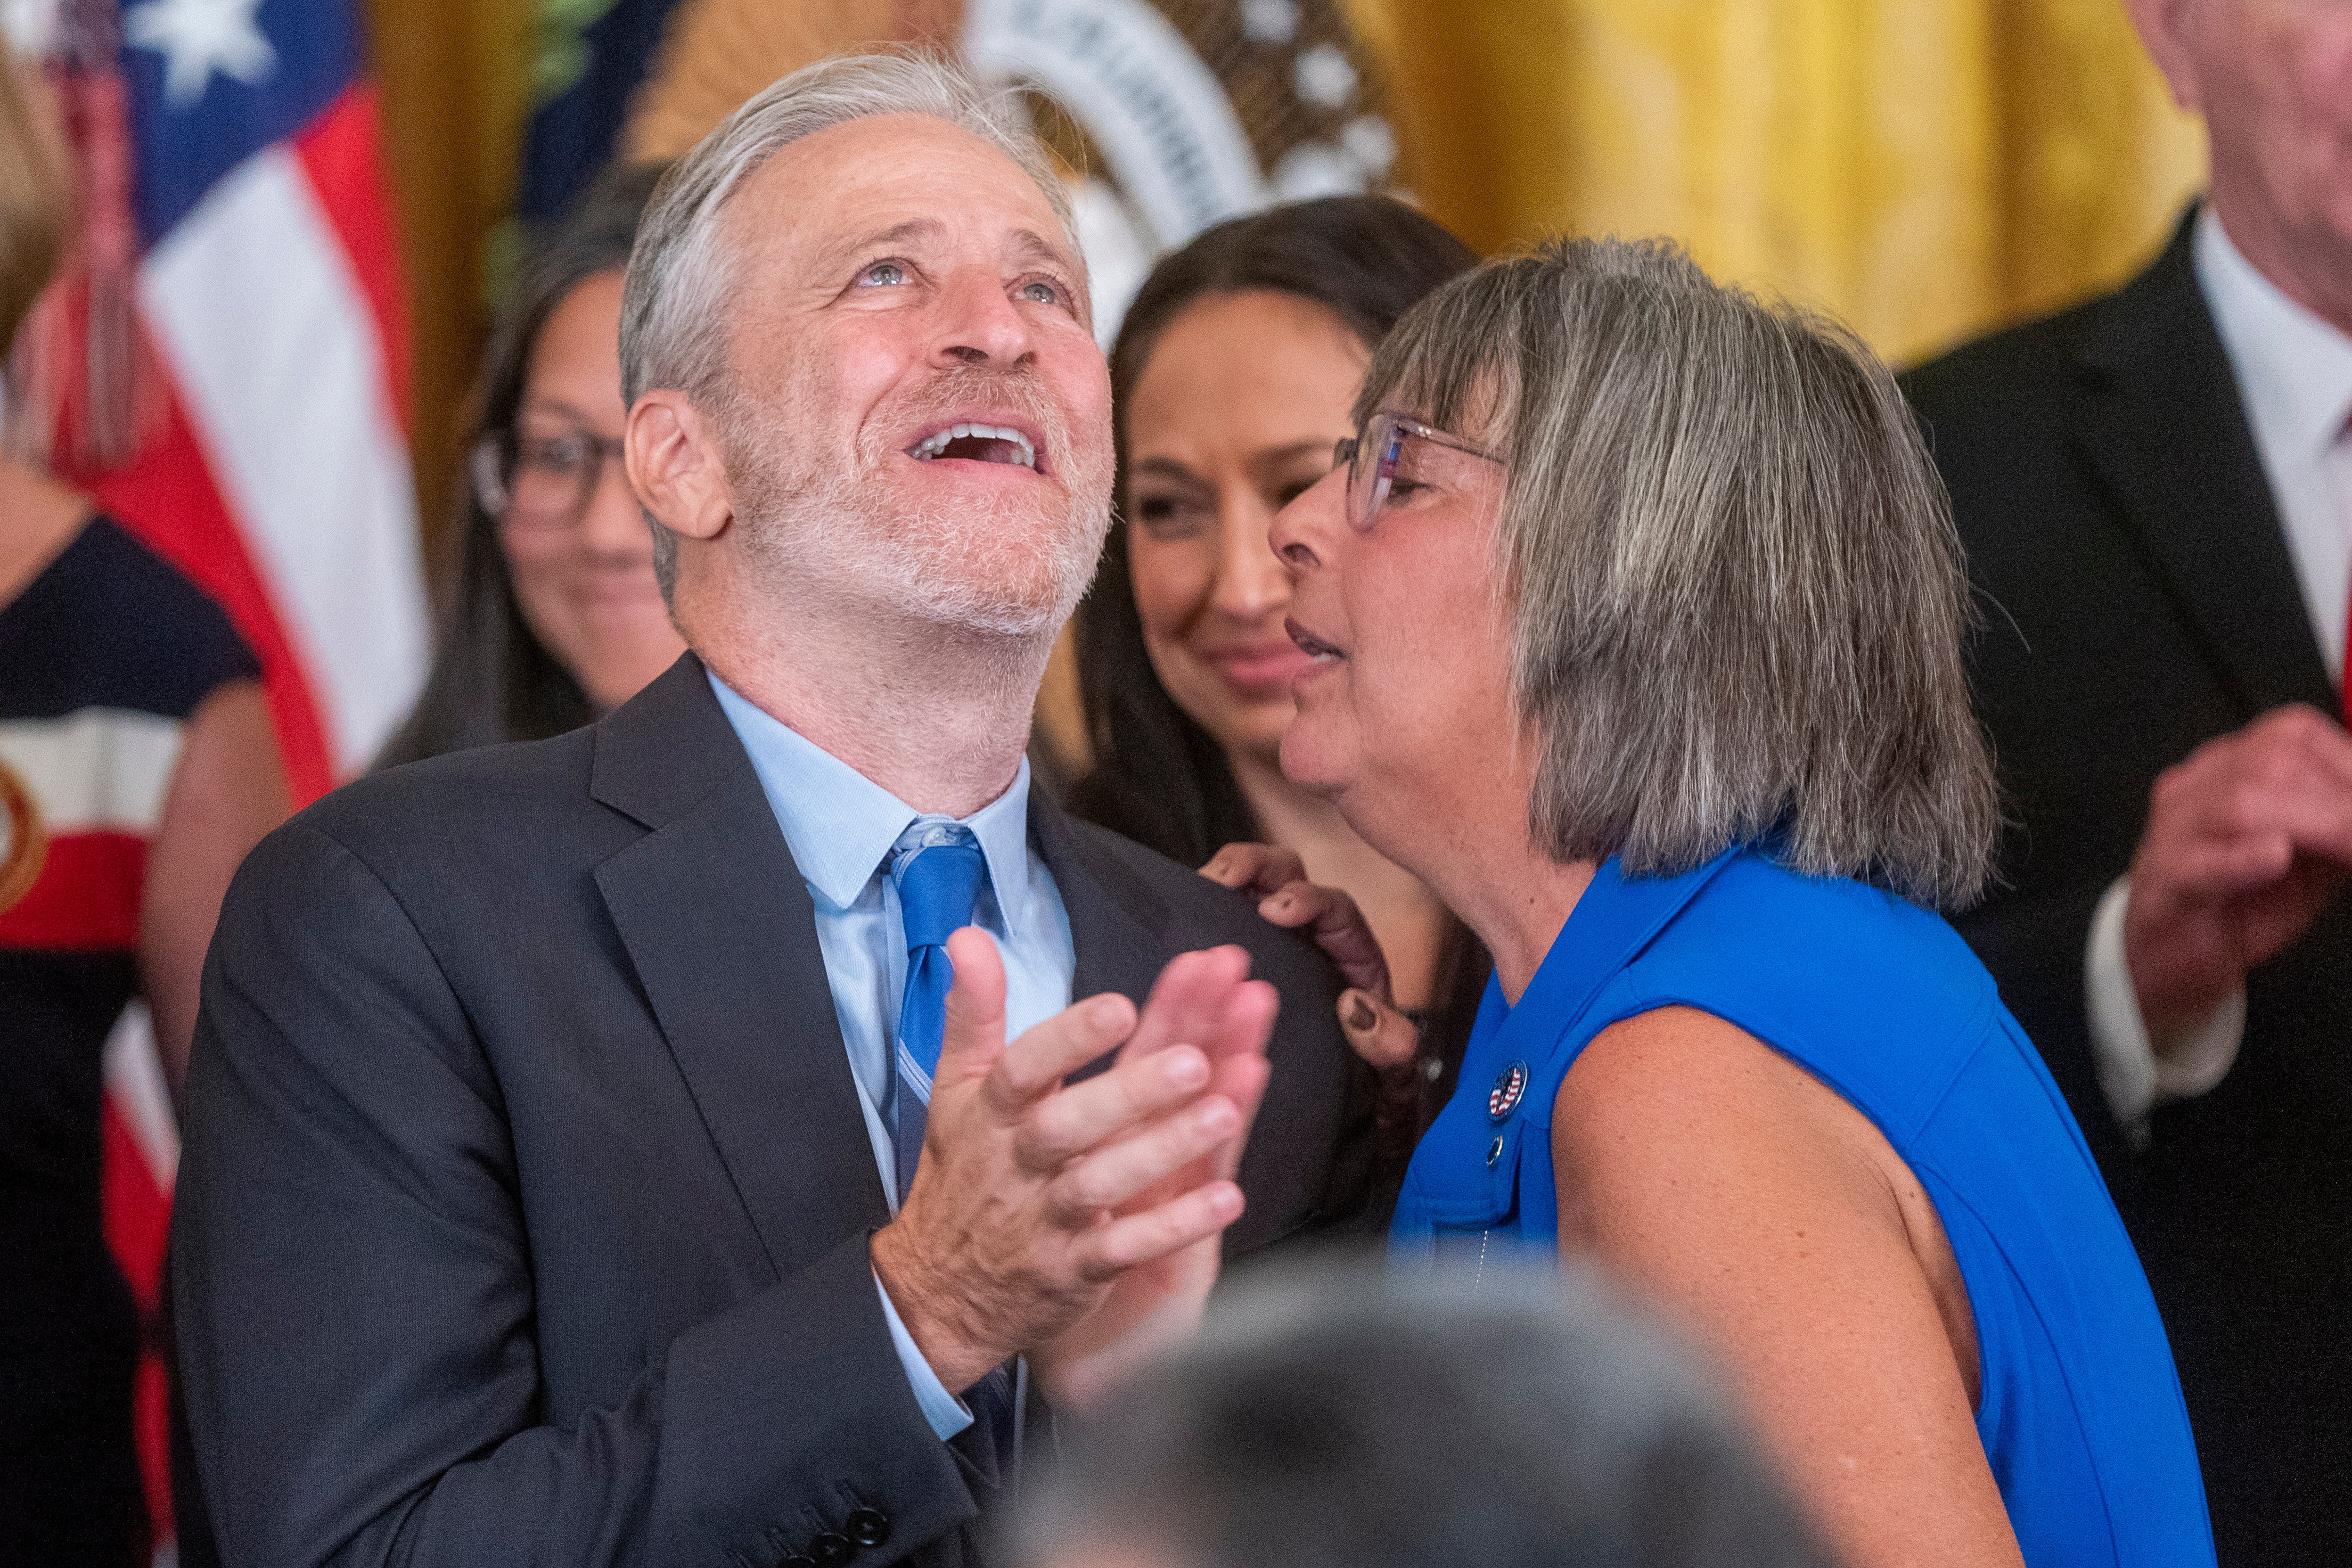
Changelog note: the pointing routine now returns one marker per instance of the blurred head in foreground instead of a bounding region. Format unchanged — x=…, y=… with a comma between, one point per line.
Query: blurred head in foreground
x=1356, y=1418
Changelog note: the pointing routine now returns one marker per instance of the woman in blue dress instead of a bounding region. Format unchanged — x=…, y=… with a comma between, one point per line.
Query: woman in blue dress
x=1635, y=614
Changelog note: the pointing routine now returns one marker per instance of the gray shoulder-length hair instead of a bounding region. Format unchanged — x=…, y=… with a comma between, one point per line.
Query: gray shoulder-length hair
x=674, y=306
x=1736, y=595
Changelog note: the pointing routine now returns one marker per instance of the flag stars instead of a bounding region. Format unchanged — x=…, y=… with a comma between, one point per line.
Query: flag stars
x=199, y=37
x=1324, y=76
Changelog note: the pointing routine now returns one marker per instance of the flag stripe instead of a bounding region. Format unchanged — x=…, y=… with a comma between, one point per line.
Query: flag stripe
x=136, y=1093
x=339, y=153
x=277, y=478
x=168, y=499
x=288, y=403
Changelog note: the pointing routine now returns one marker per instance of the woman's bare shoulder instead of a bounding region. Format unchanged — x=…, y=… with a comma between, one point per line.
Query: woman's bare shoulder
x=1687, y=1064
x=1677, y=1098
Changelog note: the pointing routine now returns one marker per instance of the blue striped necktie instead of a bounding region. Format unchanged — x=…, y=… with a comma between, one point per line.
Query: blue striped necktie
x=938, y=866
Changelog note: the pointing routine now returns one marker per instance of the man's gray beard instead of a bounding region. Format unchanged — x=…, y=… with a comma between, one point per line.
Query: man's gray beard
x=918, y=564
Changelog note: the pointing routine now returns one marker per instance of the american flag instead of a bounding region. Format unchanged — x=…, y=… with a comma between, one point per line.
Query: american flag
x=227, y=364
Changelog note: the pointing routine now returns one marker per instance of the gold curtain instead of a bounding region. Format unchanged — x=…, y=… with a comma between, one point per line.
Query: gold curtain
x=1926, y=169
x=455, y=76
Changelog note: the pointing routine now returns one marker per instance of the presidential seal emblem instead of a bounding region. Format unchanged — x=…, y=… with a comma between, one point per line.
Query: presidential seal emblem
x=1510, y=1084
x=1166, y=116
x=1171, y=115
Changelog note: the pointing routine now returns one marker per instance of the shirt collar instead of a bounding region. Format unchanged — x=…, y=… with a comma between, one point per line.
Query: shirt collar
x=840, y=824
x=2293, y=367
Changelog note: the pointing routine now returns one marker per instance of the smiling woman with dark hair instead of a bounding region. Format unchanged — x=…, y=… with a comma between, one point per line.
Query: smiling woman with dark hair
x=1232, y=375
x=1634, y=612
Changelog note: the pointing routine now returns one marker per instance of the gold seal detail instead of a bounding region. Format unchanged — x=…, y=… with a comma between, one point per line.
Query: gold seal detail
x=28, y=844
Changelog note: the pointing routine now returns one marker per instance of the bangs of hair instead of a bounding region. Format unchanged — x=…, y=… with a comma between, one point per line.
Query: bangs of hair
x=1450, y=361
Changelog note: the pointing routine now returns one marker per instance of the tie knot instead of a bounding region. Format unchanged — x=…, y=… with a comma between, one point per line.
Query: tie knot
x=938, y=866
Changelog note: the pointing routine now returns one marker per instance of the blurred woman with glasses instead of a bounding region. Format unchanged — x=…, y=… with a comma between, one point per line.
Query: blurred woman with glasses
x=552, y=615
x=1232, y=375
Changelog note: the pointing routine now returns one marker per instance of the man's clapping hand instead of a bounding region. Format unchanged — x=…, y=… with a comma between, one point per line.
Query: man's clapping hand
x=2247, y=842
x=1075, y=1222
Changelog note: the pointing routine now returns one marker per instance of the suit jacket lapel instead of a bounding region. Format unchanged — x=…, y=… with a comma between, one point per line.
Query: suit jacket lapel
x=717, y=921
x=2164, y=431
x=1117, y=926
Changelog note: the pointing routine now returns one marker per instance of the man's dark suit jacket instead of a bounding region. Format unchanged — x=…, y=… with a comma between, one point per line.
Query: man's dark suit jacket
x=526, y=1200
x=2139, y=600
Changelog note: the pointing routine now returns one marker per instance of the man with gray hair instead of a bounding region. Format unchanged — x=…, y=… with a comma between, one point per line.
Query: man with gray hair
x=620, y=1148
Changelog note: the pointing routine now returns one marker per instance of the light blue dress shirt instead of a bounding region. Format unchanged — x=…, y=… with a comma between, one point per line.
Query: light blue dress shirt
x=840, y=825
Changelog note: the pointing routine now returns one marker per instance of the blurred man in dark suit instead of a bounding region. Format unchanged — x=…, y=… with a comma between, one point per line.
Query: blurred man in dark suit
x=2155, y=494
x=594, y=1156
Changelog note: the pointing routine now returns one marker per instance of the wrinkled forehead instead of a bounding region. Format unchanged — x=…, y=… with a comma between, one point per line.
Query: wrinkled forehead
x=906, y=177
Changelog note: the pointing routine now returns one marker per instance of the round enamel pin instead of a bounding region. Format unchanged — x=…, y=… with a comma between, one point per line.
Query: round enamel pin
x=1509, y=1085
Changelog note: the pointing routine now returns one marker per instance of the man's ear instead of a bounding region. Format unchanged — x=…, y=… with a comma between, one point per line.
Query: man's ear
x=2163, y=27
x=675, y=467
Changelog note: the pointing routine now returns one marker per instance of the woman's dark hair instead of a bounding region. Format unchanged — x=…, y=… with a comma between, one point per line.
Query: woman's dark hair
x=492, y=679
x=1157, y=777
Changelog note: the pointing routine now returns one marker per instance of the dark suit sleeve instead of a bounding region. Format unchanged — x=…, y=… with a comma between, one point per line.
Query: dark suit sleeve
x=1309, y=1170
x=354, y=1291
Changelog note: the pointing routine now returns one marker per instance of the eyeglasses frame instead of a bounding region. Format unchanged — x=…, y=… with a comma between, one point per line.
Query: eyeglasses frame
x=487, y=465
x=1366, y=497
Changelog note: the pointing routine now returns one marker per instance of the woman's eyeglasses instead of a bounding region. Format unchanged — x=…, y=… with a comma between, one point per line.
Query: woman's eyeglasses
x=539, y=480
x=1384, y=454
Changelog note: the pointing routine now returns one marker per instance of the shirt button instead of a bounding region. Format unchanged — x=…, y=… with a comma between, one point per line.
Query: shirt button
x=830, y=1551
x=1494, y=1149
x=867, y=1527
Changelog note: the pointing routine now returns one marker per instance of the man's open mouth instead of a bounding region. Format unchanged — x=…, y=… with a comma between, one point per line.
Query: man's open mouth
x=977, y=444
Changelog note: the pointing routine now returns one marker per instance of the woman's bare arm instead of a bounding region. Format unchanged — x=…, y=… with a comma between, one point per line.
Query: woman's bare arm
x=226, y=792
x=1728, y=1185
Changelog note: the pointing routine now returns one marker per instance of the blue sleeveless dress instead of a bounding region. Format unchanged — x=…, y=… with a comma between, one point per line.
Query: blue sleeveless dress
x=2081, y=1412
